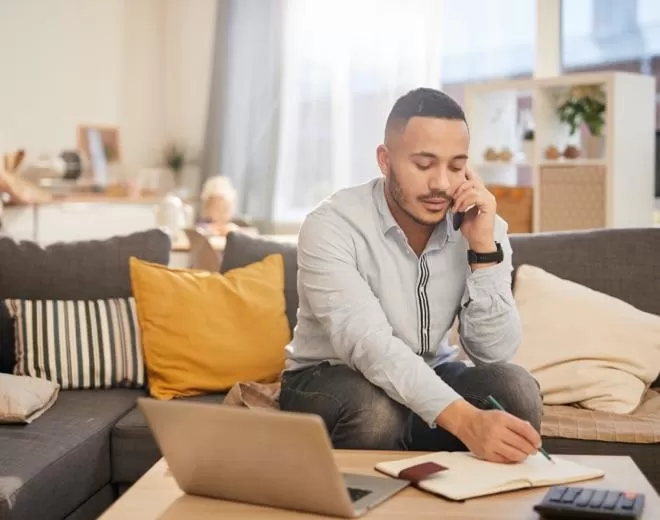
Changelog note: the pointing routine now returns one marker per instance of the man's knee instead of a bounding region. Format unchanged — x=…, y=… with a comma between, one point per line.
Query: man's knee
x=357, y=414
x=372, y=421
x=516, y=390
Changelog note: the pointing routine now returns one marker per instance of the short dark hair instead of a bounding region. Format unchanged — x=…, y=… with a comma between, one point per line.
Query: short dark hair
x=422, y=102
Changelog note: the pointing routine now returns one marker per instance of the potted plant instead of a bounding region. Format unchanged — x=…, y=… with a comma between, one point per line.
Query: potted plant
x=175, y=159
x=585, y=105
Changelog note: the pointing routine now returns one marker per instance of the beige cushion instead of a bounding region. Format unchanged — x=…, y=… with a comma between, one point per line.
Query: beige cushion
x=24, y=398
x=640, y=427
x=585, y=347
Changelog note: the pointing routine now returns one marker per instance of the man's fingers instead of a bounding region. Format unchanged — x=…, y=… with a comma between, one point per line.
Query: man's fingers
x=496, y=457
x=459, y=203
x=472, y=175
x=518, y=442
x=509, y=453
x=525, y=430
x=465, y=186
x=466, y=193
x=464, y=202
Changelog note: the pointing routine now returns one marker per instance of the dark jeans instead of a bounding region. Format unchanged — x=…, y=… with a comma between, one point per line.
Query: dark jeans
x=360, y=415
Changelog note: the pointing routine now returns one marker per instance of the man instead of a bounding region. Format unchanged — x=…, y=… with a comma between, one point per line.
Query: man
x=382, y=276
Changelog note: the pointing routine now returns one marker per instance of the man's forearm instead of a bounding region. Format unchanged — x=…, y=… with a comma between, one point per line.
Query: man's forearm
x=489, y=321
x=403, y=375
x=483, y=247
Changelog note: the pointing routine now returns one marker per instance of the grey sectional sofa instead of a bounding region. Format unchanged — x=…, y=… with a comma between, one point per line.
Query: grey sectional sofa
x=60, y=465
x=73, y=461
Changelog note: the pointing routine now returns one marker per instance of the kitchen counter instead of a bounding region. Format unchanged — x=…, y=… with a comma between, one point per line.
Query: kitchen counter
x=79, y=217
x=92, y=197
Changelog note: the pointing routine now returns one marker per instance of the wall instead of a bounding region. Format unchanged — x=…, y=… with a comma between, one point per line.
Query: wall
x=142, y=65
x=61, y=64
x=141, y=82
x=190, y=27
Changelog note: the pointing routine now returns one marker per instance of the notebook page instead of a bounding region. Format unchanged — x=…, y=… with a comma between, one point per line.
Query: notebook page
x=543, y=472
x=467, y=475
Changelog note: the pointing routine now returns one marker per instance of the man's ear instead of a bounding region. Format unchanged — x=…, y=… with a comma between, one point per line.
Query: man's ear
x=383, y=158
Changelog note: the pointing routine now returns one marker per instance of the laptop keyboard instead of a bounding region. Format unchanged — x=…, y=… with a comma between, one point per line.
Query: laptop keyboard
x=356, y=493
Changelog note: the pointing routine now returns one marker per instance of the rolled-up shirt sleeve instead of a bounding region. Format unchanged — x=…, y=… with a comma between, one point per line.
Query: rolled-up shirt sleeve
x=490, y=328
x=350, y=314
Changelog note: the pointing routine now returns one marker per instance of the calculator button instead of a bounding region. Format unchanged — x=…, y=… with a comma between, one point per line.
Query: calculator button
x=597, y=499
x=627, y=501
x=611, y=500
x=584, y=498
x=570, y=495
x=556, y=494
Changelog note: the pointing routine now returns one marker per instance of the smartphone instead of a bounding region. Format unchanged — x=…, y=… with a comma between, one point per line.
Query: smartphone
x=458, y=217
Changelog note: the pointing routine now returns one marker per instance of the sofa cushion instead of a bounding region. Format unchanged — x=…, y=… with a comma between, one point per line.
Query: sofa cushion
x=640, y=427
x=80, y=344
x=620, y=262
x=84, y=270
x=7, y=354
x=242, y=249
x=23, y=399
x=202, y=332
x=134, y=449
x=95, y=505
x=50, y=467
x=602, y=353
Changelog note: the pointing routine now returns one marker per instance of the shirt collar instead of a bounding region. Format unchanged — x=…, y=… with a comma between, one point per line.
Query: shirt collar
x=444, y=230
x=387, y=221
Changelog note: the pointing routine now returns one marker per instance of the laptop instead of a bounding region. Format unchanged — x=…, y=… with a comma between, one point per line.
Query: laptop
x=264, y=457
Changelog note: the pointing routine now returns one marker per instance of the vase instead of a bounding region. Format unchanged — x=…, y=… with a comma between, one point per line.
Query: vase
x=179, y=186
x=528, y=151
x=594, y=146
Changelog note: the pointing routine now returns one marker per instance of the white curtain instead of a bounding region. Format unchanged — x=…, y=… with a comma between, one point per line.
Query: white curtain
x=344, y=63
x=242, y=135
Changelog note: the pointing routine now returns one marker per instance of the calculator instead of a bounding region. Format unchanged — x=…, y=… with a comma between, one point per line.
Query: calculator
x=601, y=504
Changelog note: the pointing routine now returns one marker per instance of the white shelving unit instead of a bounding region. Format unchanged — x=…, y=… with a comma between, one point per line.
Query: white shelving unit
x=615, y=189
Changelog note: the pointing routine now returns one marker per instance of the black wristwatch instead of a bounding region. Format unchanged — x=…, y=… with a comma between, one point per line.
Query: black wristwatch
x=486, y=258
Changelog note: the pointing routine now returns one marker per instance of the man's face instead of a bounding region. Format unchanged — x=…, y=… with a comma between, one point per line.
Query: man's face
x=423, y=164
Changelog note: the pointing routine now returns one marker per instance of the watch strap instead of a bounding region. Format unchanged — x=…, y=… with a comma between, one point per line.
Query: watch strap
x=486, y=258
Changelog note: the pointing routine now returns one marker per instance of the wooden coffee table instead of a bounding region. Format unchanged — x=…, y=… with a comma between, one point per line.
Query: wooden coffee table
x=156, y=495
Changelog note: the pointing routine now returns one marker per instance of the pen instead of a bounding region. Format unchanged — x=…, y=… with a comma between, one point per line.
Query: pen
x=497, y=405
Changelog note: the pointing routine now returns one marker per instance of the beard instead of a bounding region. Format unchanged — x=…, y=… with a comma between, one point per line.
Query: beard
x=394, y=187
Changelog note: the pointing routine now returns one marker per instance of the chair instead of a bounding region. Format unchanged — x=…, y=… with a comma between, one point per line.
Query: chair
x=202, y=254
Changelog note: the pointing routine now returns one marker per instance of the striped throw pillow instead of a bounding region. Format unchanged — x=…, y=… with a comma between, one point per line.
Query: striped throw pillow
x=81, y=344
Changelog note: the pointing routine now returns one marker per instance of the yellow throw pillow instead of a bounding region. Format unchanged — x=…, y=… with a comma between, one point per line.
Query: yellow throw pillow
x=583, y=346
x=202, y=332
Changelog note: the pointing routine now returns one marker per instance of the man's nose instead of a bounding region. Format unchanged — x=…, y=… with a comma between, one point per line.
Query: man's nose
x=439, y=180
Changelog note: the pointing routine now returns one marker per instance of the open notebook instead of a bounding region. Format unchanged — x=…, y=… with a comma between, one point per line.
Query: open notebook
x=467, y=476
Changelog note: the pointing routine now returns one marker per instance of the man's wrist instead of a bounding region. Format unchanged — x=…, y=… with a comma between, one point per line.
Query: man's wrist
x=456, y=416
x=483, y=246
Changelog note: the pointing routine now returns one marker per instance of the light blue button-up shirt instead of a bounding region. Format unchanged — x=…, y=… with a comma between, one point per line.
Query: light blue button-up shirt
x=368, y=301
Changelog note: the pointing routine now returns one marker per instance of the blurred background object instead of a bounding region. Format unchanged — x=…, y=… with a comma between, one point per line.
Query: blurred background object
x=218, y=206
x=12, y=160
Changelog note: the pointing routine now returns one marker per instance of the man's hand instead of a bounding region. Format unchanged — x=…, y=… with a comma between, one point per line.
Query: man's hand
x=479, y=222
x=490, y=434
